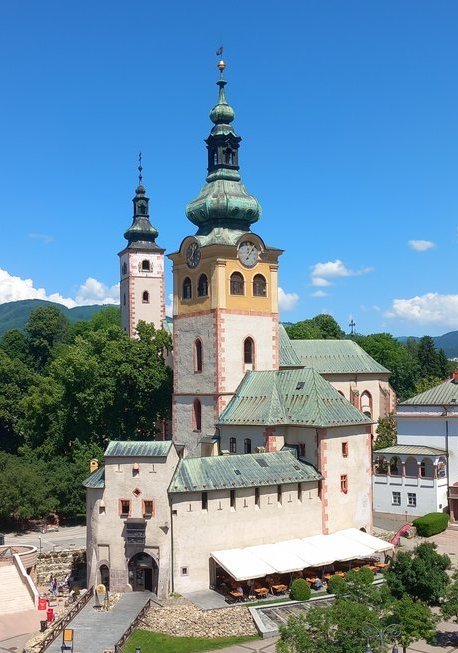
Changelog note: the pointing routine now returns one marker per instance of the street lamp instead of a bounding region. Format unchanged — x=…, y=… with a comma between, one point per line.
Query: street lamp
x=383, y=635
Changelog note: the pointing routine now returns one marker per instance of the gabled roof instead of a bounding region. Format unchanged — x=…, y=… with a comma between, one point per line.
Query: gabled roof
x=409, y=450
x=299, y=396
x=335, y=357
x=288, y=356
x=96, y=479
x=443, y=394
x=245, y=470
x=155, y=448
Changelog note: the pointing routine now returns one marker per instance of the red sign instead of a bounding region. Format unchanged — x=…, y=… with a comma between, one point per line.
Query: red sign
x=42, y=604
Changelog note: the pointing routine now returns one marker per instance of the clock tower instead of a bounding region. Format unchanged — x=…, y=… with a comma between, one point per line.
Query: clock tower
x=225, y=291
x=142, y=292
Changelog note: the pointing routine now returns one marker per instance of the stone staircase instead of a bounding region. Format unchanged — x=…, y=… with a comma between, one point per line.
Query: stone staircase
x=14, y=595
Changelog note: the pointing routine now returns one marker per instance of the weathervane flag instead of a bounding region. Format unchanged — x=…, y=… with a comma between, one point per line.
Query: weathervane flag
x=219, y=52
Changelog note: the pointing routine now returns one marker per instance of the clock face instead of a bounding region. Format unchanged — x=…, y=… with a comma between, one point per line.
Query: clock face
x=248, y=253
x=193, y=255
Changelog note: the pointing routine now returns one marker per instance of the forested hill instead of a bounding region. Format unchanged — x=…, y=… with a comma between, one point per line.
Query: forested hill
x=15, y=315
x=448, y=342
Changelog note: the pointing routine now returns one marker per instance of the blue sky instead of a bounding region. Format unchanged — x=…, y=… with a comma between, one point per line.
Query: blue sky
x=348, y=114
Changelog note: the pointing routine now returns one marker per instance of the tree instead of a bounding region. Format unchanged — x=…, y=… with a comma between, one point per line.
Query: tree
x=393, y=355
x=428, y=358
x=386, y=432
x=317, y=328
x=427, y=383
x=414, y=619
x=46, y=328
x=14, y=343
x=449, y=607
x=16, y=379
x=420, y=574
x=25, y=487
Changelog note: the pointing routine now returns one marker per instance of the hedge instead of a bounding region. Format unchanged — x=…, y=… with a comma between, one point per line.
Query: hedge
x=431, y=524
x=300, y=590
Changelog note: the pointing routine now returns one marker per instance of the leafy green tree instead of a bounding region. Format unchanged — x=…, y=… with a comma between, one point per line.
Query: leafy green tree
x=107, y=317
x=445, y=365
x=24, y=488
x=427, y=383
x=328, y=327
x=305, y=330
x=16, y=379
x=420, y=574
x=428, y=358
x=14, y=343
x=449, y=606
x=393, y=355
x=46, y=328
x=414, y=619
x=386, y=432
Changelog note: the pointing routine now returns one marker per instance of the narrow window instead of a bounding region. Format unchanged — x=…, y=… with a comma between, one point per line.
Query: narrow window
x=184, y=571
x=301, y=449
x=237, y=284
x=124, y=299
x=148, y=508
x=142, y=209
x=197, y=415
x=344, y=483
x=145, y=265
x=257, y=497
x=232, y=498
x=299, y=492
x=259, y=286
x=145, y=297
x=247, y=445
x=248, y=351
x=187, y=288
x=345, y=449
x=279, y=494
x=124, y=268
x=232, y=445
x=198, y=356
x=366, y=403
x=215, y=158
x=204, y=501
x=124, y=507
x=396, y=499
x=412, y=499
x=202, y=286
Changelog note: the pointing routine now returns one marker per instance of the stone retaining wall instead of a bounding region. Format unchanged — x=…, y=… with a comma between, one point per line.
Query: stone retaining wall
x=62, y=564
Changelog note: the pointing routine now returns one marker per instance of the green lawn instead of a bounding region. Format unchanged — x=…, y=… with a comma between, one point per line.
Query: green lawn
x=150, y=642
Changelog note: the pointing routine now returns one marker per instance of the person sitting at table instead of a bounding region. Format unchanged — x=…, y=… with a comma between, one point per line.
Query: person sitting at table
x=239, y=589
x=318, y=584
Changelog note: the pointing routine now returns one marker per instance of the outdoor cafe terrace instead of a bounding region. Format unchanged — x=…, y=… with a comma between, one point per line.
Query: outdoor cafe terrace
x=270, y=568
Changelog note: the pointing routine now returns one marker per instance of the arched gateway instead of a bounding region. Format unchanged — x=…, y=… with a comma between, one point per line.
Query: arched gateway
x=143, y=573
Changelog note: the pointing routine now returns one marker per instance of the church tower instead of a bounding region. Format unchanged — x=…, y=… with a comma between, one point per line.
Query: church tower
x=225, y=297
x=142, y=292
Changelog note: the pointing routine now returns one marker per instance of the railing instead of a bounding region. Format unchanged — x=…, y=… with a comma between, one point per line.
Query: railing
x=62, y=623
x=120, y=643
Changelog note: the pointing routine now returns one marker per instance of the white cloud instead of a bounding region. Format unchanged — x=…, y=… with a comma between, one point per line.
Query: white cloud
x=319, y=293
x=322, y=272
x=421, y=245
x=169, y=306
x=14, y=288
x=46, y=238
x=96, y=292
x=431, y=308
x=287, y=300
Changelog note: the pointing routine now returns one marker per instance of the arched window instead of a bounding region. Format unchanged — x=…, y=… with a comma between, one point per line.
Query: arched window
x=395, y=466
x=366, y=403
x=142, y=208
x=248, y=351
x=124, y=268
x=228, y=157
x=197, y=415
x=124, y=299
x=187, y=288
x=259, y=286
x=411, y=467
x=232, y=445
x=237, y=284
x=145, y=297
x=198, y=356
x=247, y=445
x=427, y=468
x=202, y=286
x=145, y=265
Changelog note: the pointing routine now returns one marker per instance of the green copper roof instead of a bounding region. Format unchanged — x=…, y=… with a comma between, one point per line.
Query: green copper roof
x=335, y=357
x=141, y=234
x=288, y=356
x=155, y=448
x=442, y=394
x=299, y=396
x=409, y=450
x=223, y=201
x=246, y=470
x=96, y=479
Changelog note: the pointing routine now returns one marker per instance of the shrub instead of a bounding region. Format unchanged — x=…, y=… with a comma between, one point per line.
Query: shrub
x=431, y=524
x=336, y=585
x=300, y=590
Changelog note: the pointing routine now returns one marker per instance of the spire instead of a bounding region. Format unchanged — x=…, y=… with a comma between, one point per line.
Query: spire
x=224, y=200
x=141, y=234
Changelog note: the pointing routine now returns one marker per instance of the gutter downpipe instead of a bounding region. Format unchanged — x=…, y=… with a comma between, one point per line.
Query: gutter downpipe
x=446, y=408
